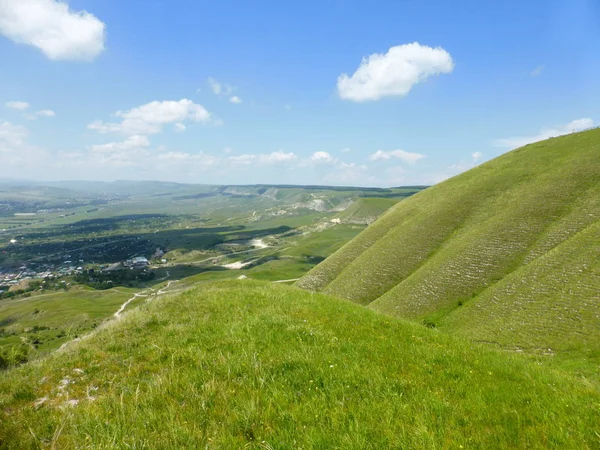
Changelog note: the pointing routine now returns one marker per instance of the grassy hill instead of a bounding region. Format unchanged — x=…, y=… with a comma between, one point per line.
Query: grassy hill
x=254, y=365
x=507, y=253
x=366, y=210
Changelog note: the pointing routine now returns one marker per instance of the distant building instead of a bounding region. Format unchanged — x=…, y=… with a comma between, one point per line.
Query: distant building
x=139, y=262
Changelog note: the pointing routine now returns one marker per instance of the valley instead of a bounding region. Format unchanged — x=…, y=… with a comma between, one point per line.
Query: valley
x=93, y=246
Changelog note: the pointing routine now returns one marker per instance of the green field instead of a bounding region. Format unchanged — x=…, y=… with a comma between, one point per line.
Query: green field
x=251, y=365
x=507, y=253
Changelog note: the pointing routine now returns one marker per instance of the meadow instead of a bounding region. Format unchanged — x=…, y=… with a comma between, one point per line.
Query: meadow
x=247, y=364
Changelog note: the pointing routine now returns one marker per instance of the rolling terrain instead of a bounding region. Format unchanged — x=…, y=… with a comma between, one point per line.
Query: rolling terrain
x=244, y=364
x=63, y=247
x=507, y=253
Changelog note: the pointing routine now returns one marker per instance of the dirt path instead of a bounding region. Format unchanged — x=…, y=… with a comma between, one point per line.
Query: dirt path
x=286, y=281
x=145, y=293
x=124, y=305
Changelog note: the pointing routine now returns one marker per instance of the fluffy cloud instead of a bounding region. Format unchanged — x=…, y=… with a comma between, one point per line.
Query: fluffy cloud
x=477, y=156
x=520, y=141
x=20, y=106
x=151, y=117
x=235, y=99
x=394, y=73
x=322, y=158
x=133, y=151
x=407, y=157
x=50, y=25
x=180, y=128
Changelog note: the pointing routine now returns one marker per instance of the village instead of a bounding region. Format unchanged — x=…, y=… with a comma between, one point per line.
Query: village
x=19, y=279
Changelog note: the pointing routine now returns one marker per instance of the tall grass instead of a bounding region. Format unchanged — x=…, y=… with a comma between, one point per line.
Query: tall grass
x=250, y=365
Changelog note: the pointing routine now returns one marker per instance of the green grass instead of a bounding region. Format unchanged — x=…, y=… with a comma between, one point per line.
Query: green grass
x=58, y=316
x=250, y=365
x=366, y=210
x=506, y=253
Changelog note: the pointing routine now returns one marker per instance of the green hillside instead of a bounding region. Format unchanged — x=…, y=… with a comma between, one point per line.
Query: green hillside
x=366, y=210
x=507, y=253
x=252, y=365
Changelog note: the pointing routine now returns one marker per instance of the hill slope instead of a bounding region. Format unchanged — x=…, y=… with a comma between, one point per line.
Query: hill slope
x=366, y=210
x=238, y=364
x=508, y=252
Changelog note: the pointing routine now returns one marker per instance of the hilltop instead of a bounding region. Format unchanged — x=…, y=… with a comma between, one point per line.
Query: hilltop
x=235, y=364
x=506, y=253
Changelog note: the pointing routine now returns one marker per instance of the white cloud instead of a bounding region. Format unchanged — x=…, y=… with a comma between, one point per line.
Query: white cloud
x=131, y=143
x=537, y=71
x=263, y=159
x=17, y=155
x=20, y=106
x=50, y=25
x=520, y=141
x=394, y=73
x=45, y=113
x=235, y=99
x=277, y=157
x=151, y=117
x=219, y=88
x=322, y=158
x=407, y=157
x=180, y=128
x=12, y=134
x=131, y=152
x=345, y=150
x=477, y=156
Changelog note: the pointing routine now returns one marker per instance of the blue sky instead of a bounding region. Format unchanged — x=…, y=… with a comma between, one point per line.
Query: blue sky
x=316, y=92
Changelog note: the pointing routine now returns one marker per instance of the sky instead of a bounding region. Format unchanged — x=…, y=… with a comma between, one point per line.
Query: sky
x=380, y=93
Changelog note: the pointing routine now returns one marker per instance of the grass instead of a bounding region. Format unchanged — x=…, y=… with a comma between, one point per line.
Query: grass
x=54, y=318
x=366, y=210
x=505, y=253
x=246, y=364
